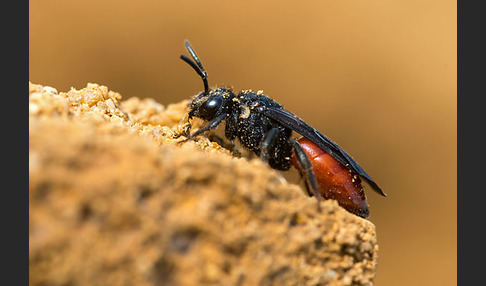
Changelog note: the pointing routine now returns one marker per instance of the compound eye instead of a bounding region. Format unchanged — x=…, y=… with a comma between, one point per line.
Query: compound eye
x=209, y=108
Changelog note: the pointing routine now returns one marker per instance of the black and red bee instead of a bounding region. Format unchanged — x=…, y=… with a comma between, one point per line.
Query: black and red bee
x=264, y=127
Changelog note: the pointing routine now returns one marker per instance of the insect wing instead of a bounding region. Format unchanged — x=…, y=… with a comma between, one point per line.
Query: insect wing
x=298, y=125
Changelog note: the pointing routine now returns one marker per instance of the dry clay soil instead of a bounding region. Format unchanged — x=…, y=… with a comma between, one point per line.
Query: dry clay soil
x=115, y=200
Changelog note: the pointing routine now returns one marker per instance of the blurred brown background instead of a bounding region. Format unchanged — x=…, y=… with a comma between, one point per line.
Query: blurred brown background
x=378, y=77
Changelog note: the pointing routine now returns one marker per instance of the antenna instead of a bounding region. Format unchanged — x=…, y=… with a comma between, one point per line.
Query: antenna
x=196, y=65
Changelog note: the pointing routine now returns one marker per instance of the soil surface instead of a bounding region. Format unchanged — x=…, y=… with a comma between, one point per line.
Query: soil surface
x=115, y=200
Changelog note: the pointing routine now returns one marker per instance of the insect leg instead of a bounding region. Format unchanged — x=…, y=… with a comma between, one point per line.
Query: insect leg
x=213, y=124
x=267, y=141
x=221, y=142
x=307, y=172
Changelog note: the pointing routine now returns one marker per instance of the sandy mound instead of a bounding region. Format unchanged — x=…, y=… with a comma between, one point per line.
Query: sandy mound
x=113, y=200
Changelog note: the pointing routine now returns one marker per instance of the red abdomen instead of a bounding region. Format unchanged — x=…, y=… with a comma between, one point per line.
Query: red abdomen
x=335, y=180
